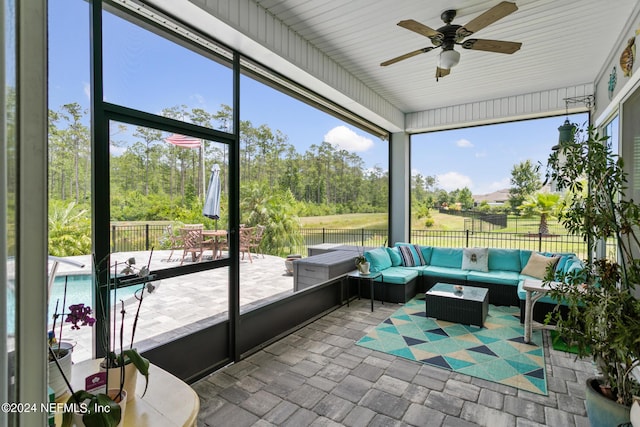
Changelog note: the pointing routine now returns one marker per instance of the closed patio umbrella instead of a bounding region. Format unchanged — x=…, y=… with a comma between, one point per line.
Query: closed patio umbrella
x=211, y=208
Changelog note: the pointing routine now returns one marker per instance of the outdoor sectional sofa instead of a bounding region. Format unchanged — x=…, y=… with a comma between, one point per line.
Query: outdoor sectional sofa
x=408, y=269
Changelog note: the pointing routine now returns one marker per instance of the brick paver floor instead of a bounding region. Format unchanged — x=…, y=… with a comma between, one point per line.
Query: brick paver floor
x=317, y=376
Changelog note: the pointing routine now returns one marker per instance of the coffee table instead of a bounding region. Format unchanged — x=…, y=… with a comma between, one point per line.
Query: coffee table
x=468, y=306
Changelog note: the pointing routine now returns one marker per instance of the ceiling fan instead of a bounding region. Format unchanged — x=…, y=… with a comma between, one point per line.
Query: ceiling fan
x=449, y=35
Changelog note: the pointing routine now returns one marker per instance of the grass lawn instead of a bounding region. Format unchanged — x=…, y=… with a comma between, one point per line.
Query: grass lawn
x=375, y=221
x=378, y=221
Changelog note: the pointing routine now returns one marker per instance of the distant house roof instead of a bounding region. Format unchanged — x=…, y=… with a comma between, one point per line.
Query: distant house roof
x=500, y=196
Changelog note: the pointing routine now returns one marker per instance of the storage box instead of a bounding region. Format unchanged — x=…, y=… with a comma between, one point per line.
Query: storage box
x=320, y=268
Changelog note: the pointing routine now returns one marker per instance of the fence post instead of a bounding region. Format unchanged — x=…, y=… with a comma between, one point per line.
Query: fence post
x=467, y=238
x=323, y=235
x=362, y=237
x=113, y=238
x=539, y=242
x=146, y=237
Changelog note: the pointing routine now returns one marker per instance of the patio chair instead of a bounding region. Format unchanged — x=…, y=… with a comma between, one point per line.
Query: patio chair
x=246, y=234
x=173, y=240
x=256, y=239
x=193, y=242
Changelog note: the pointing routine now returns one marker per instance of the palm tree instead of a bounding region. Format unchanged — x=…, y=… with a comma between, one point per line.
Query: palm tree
x=543, y=204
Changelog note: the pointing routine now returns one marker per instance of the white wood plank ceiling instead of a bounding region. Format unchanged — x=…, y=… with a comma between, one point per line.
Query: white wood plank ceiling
x=565, y=44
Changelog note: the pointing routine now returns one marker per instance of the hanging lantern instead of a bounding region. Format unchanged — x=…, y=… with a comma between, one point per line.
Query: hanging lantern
x=567, y=130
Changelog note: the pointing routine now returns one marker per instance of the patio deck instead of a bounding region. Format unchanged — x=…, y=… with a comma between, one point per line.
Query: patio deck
x=317, y=376
x=183, y=304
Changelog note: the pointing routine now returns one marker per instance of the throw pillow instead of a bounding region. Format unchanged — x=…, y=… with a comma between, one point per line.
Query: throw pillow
x=537, y=265
x=394, y=254
x=475, y=259
x=411, y=255
x=378, y=259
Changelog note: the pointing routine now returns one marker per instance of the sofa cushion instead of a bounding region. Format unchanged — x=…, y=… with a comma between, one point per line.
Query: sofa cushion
x=576, y=267
x=538, y=264
x=562, y=263
x=505, y=260
x=476, y=259
x=397, y=275
x=494, y=276
x=394, y=254
x=411, y=255
x=378, y=259
x=426, y=254
x=445, y=272
x=446, y=257
x=524, y=257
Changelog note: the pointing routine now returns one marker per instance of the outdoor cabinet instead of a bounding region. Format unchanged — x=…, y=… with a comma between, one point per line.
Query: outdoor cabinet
x=320, y=268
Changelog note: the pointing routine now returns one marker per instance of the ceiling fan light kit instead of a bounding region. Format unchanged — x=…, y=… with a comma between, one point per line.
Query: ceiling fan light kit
x=448, y=59
x=449, y=35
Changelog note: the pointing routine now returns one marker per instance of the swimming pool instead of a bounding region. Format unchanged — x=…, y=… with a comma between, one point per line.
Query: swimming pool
x=79, y=289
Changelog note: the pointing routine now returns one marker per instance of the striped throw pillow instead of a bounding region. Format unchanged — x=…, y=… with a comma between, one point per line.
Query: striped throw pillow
x=411, y=255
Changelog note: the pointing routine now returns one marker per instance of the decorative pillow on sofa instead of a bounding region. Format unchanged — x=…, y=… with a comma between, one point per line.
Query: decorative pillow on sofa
x=378, y=259
x=537, y=265
x=411, y=255
x=475, y=259
x=394, y=254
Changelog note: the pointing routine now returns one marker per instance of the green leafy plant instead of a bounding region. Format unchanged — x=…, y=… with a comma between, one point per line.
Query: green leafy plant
x=603, y=316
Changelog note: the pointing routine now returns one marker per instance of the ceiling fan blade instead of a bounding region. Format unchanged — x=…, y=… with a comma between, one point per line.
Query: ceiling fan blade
x=498, y=46
x=406, y=55
x=441, y=72
x=487, y=18
x=422, y=29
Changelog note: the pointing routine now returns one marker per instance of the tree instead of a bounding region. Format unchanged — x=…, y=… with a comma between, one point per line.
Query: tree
x=525, y=181
x=69, y=229
x=465, y=198
x=543, y=204
x=273, y=208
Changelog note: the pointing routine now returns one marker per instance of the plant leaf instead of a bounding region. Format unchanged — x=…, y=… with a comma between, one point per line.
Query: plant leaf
x=141, y=364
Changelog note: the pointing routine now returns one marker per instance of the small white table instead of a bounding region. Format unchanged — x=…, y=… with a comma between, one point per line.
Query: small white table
x=168, y=402
x=535, y=290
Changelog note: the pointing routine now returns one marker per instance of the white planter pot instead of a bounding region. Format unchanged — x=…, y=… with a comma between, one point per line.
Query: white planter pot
x=364, y=267
x=130, y=379
x=635, y=414
x=56, y=380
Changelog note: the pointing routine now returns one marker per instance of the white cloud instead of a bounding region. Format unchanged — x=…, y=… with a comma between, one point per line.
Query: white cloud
x=481, y=154
x=453, y=180
x=500, y=185
x=86, y=87
x=464, y=143
x=344, y=138
x=199, y=99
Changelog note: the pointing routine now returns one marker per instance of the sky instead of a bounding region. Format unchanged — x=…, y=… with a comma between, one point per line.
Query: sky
x=145, y=72
x=482, y=157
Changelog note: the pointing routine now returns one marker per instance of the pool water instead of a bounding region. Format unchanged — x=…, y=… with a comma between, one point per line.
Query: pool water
x=79, y=290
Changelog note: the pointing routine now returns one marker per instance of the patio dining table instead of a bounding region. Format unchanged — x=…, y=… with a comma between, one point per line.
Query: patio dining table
x=218, y=237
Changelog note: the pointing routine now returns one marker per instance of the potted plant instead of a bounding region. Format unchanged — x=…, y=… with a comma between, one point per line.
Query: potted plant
x=91, y=406
x=123, y=363
x=603, y=315
x=59, y=350
x=361, y=263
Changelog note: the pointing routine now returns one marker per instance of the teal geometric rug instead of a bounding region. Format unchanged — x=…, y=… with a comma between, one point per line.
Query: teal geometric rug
x=496, y=352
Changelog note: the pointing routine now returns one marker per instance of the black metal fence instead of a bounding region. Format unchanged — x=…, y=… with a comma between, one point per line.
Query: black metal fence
x=139, y=237
x=125, y=238
x=497, y=220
